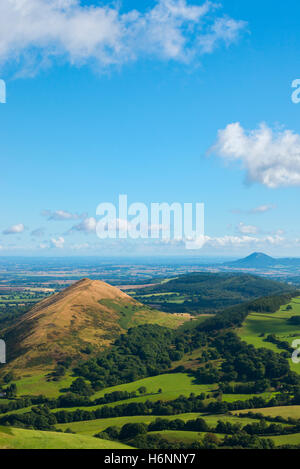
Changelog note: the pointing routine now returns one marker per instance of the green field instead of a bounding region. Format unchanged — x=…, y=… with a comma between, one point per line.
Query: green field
x=277, y=323
x=183, y=437
x=38, y=384
x=286, y=439
x=16, y=438
x=172, y=385
x=91, y=427
x=292, y=411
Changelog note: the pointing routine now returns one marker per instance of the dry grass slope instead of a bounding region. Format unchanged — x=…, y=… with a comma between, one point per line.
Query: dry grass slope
x=90, y=312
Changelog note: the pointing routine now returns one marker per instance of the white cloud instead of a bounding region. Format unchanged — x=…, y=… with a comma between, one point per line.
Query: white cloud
x=14, y=229
x=58, y=243
x=239, y=241
x=87, y=226
x=270, y=157
x=61, y=215
x=254, y=211
x=224, y=29
x=80, y=247
x=35, y=31
x=262, y=209
x=247, y=229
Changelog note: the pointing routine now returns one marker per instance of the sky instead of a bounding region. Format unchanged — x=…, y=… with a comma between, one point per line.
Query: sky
x=175, y=101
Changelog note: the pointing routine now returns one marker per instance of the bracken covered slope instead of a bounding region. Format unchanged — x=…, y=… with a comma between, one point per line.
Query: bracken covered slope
x=89, y=313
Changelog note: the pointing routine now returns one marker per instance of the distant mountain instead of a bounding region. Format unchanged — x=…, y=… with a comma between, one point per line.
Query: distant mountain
x=259, y=260
x=82, y=319
x=255, y=260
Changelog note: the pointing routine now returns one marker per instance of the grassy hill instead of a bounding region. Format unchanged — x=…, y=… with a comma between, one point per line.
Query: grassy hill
x=17, y=438
x=85, y=317
x=258, y=326
x=161, y=388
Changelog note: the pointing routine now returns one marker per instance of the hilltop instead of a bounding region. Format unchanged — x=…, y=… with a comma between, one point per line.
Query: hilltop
x=85, y=317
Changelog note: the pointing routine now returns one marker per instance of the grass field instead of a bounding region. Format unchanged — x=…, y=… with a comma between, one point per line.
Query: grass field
x=91, y=427
x=183, y=437
x=16, y=438
x=285, y=412
x=277, y=323
x=172, y=385
x=37, y=384
x=286, y=439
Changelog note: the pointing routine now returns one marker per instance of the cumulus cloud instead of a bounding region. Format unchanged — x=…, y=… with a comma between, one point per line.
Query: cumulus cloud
x=36, y=31
x=14, y=229
x=236, y=241
x=269, y=157
x=247, y=229
x=87, y=226
x=60, y=215
x=262, y=209
x=58, y=243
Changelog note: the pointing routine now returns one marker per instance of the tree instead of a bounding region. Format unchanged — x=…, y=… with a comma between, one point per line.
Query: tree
x=131, y=430
x=142, y=390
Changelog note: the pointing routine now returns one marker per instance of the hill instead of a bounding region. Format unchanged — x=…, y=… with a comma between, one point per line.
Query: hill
x=202, y=293
x=255, y=260
x=259, y=260
x=86, y=317
x=17, y=438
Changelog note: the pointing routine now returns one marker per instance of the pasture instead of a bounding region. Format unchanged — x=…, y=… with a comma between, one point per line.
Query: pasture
x=17, y=438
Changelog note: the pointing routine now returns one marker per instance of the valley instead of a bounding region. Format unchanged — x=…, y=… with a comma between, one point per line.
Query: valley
x=92, y=366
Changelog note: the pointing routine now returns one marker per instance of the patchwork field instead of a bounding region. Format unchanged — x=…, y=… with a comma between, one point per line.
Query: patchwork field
x=91, y=427
x=259, y=325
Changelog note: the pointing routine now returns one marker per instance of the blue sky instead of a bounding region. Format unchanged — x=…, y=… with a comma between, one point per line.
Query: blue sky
x=106, y=104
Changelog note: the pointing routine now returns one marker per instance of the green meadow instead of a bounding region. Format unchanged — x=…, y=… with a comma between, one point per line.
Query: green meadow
x=172, y=386
x=91, y=427
x=277, y=323
x=292, y=411
x=37, y=384
x=17, y=438
x=286, y=439
x=184, y=437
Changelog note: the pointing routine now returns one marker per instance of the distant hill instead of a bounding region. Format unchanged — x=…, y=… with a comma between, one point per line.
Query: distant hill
x=255, y=260
x=83, y=318
x=200, y=293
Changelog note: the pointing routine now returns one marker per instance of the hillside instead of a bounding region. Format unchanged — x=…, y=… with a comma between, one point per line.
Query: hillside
x=85, y=317
x=128, y=394
x=202, y=293
x=17, y=438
